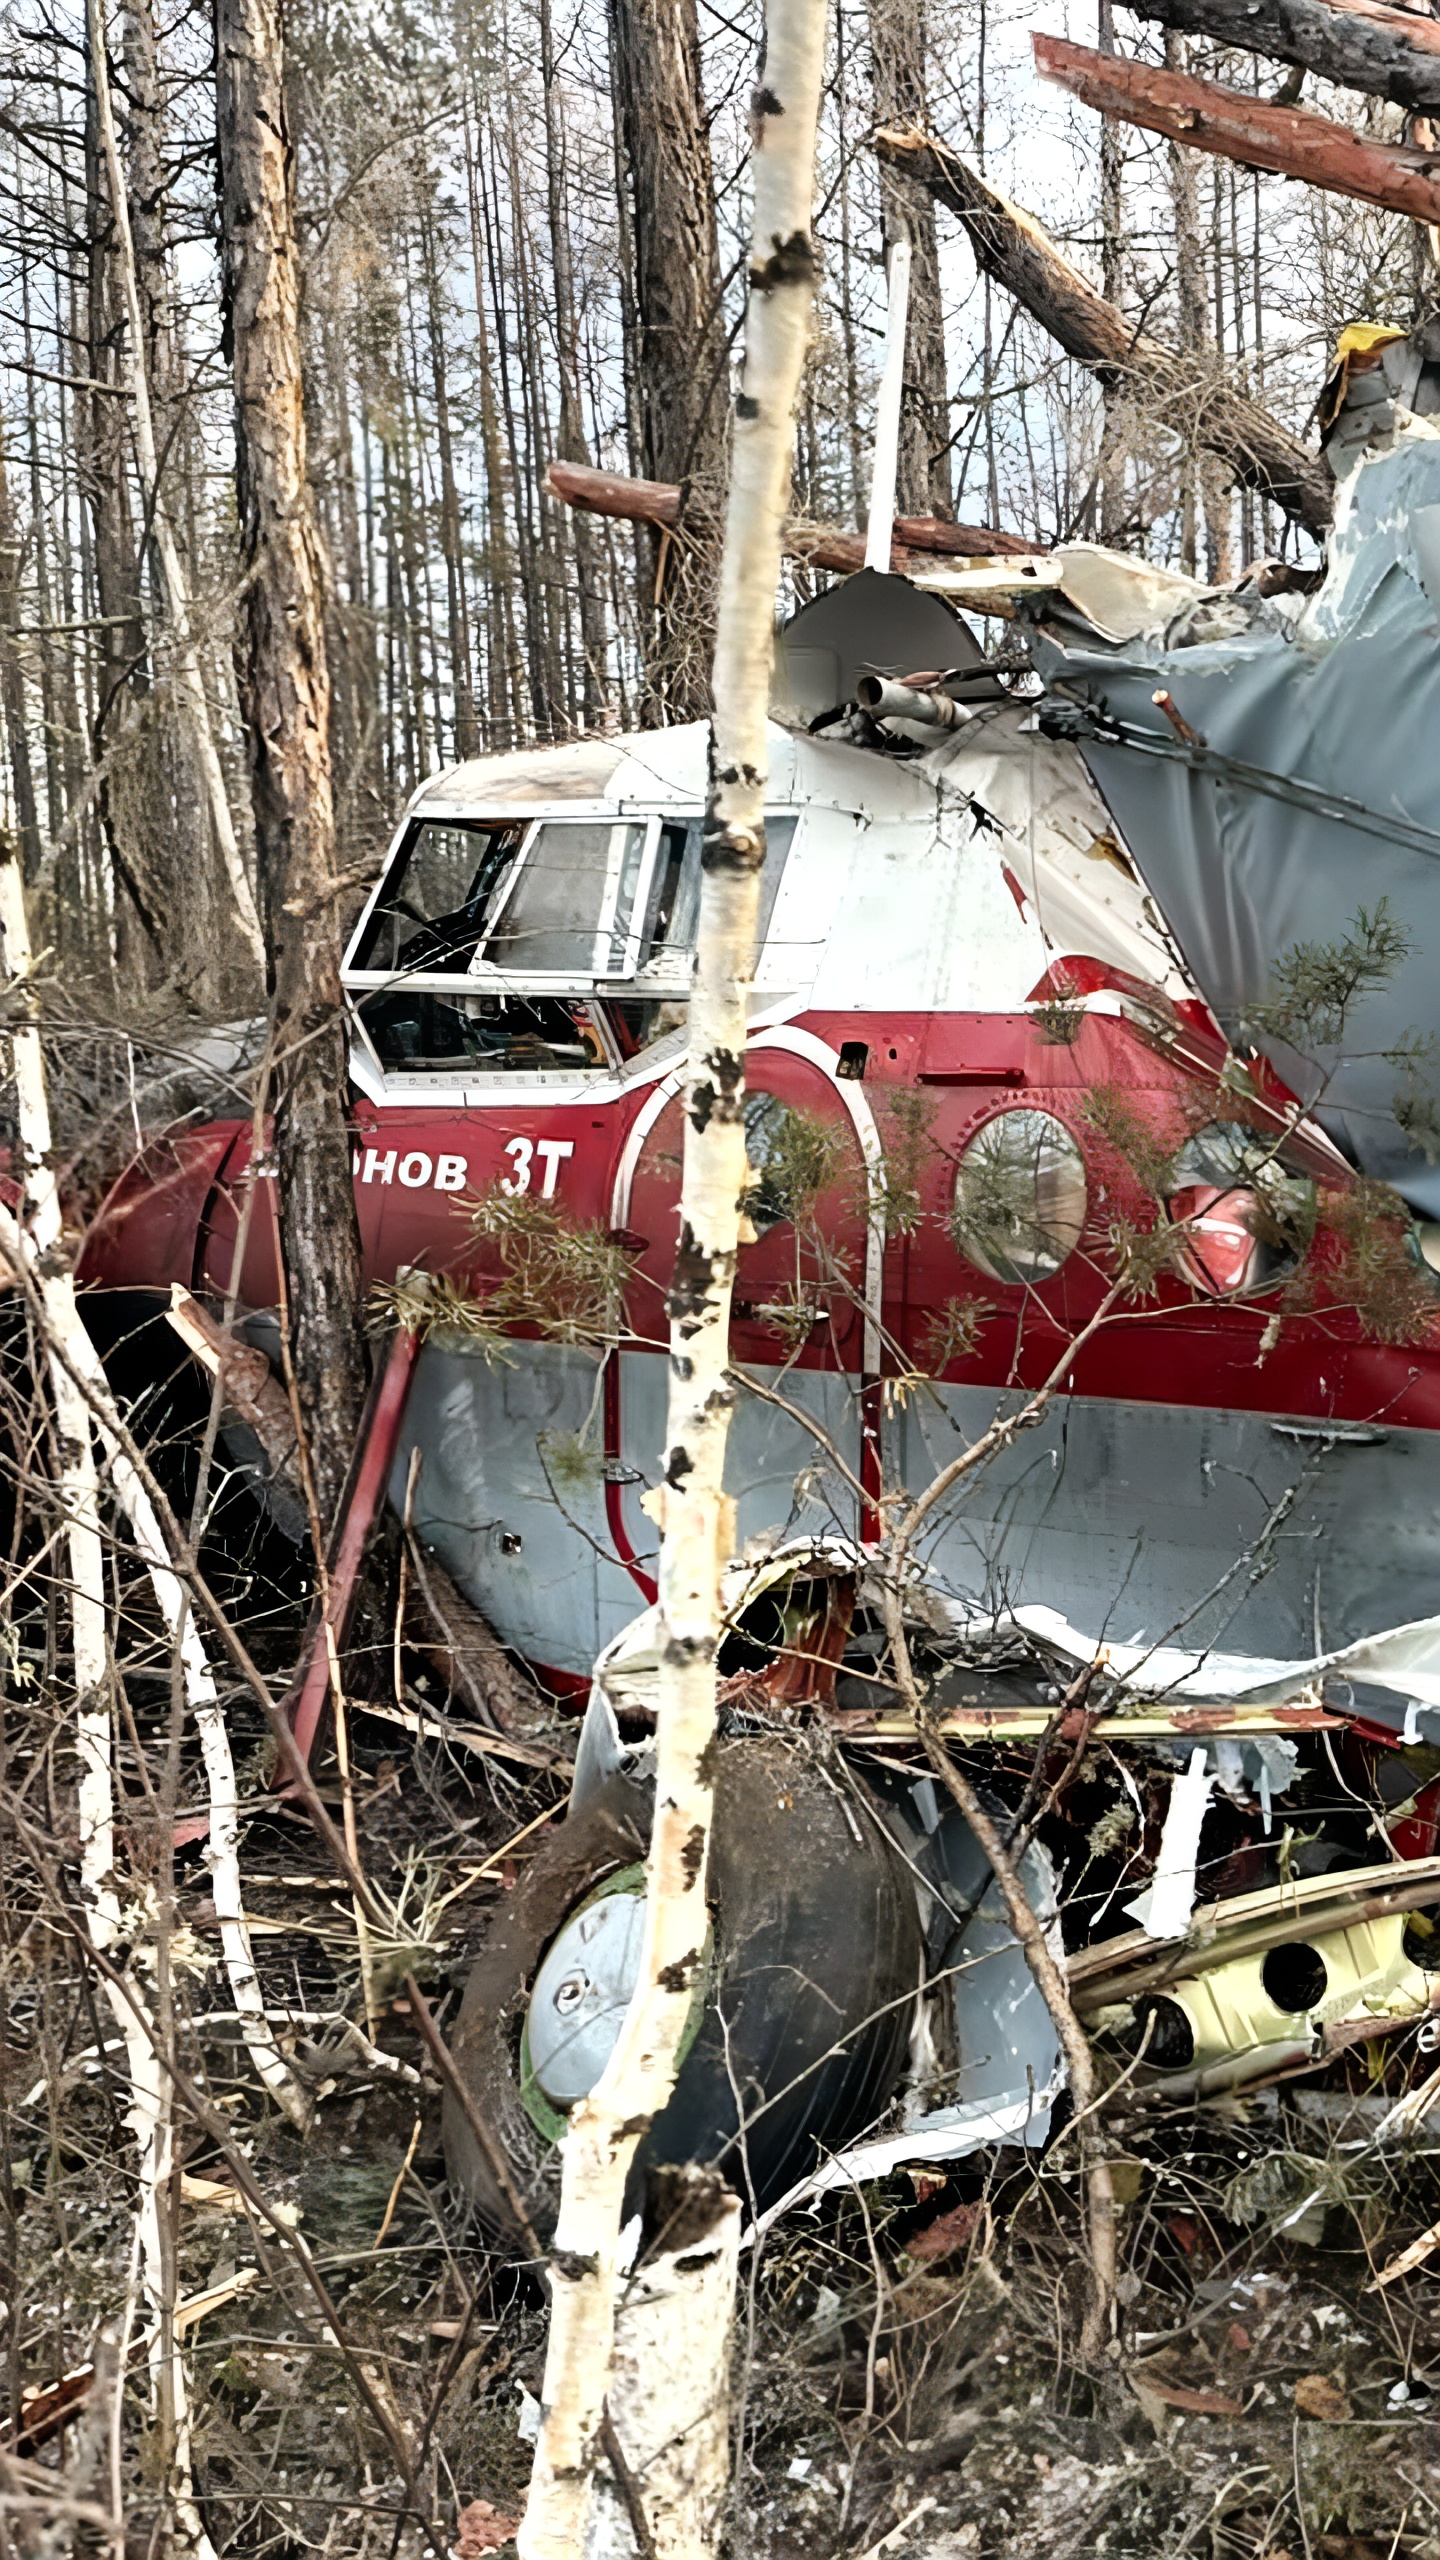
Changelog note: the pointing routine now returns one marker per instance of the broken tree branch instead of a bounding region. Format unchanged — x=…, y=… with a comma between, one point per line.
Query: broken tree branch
x=1372, y=45
x=1289, y=141
x=1011, y=246
x=659, y=502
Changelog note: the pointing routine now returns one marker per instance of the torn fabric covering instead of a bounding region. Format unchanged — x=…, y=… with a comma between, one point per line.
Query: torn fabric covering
x=1120, y=595
x=1315, y=788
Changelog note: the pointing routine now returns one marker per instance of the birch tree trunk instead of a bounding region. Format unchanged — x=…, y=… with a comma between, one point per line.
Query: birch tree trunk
x=284, y=685
x=696, y=1516
x=35, y=1237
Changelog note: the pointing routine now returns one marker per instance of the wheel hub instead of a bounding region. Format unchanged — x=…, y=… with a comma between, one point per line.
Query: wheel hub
x=581, y=1993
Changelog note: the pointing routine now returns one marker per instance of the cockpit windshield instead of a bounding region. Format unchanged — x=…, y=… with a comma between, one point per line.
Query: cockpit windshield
x=573, y=937
x=434, y=906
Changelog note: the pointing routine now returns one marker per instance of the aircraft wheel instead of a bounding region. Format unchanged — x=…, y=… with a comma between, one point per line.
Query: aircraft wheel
x=802, y=2016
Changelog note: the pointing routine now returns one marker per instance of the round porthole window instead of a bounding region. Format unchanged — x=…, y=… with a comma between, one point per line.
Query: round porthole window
x=1247, y=1216
x=1020, y=1197
x=765, y=1118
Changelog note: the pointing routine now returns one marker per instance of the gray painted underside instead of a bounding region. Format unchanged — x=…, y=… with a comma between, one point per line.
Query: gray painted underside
x=1148, y=1523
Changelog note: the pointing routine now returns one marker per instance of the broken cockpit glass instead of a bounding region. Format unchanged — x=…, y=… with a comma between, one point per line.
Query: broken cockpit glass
x=561, y=946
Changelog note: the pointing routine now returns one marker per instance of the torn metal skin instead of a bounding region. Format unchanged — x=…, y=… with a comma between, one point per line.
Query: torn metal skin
x=1213, y=1990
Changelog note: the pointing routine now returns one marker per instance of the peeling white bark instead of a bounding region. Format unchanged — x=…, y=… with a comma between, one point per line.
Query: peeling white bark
x=697, y=1524
x=670, y=2400
x=36, y=1239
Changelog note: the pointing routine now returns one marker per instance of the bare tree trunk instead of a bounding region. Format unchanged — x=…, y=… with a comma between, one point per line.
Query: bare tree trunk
x=362, y=815
x=189, y=864
x=44, y=602
x=12, y=679
x=285, y=699
x=573, y=445
x=897, y=42
x=190, y=686
x=462, y=672
x=1112, y=279
x=697, y=1517
x=123, y=737
x=679, y=360
x=1200, y=477
x=505, y=672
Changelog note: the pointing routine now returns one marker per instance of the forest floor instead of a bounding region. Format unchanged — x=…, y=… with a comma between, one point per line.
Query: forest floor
x=902, y=2378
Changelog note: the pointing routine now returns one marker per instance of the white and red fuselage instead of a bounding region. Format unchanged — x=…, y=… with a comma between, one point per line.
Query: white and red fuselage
x=1199, y=1481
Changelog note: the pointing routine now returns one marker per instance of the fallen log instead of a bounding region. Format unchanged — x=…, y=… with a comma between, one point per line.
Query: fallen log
x=1388, y=52
x=1290, y=142
x=659, y=502
x=612, y=493
x=1011, y=246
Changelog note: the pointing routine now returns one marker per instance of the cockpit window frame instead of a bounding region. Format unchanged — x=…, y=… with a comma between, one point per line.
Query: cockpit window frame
x=663, y=980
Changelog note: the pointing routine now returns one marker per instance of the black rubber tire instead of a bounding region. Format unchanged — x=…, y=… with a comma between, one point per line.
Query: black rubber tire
x=817, y=1956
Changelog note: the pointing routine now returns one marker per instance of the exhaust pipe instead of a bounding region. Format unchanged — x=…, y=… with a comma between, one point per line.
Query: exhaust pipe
x=886, y=701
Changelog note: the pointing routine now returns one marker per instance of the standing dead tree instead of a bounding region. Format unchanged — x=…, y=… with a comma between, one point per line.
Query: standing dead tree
x=1012, y=247
x=697, y=1518
x=284, y=688
x=191, y=686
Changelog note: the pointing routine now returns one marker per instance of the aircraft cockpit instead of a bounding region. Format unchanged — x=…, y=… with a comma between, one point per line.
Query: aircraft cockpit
x=552, y=946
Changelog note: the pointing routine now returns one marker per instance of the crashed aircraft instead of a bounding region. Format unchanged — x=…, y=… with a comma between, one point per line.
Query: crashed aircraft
x=1019, y=928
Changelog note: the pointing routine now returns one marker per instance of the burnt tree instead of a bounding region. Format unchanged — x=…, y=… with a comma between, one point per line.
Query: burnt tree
x=284, y=691
x=678, y=358
x=922, y=481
